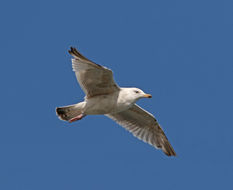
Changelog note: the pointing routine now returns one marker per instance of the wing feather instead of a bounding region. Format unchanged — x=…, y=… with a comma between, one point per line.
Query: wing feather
x=144, y=126
x=93, y=78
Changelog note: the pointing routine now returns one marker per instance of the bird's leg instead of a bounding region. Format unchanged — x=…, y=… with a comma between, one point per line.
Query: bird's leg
x=78, y=117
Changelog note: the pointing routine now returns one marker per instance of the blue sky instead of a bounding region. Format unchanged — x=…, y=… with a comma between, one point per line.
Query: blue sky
x=179, y=51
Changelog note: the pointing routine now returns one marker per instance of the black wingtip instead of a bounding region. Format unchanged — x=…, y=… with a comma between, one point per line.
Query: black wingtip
x=170, y=153
x=77, y=55
x=168, y=150
x=72, y=51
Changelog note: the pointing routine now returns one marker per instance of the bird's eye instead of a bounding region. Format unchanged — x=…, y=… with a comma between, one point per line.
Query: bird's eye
x=136, y=91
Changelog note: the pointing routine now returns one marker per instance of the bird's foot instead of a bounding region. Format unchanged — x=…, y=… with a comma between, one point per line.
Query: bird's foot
x=77, y=118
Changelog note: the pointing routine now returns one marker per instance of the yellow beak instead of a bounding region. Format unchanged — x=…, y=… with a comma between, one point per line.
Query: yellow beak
x=147, y=96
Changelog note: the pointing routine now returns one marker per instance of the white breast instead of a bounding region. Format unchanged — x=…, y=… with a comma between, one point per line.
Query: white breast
x=105, y=104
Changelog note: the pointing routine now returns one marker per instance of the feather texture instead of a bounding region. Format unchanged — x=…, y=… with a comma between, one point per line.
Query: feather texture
x=144, y=126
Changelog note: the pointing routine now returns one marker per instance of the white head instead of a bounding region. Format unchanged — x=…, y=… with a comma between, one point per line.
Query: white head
x=135, y=94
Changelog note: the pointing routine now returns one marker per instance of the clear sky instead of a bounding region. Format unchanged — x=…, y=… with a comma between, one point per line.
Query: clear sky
x=179, y=51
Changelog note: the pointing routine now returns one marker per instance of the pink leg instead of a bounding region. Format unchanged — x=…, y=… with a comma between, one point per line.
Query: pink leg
x=77, y=118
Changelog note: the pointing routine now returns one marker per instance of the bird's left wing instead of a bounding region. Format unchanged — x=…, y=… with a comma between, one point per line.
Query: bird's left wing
x=93, y=78
x=144, y=126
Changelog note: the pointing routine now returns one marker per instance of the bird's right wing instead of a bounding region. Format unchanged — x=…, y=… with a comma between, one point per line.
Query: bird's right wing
x=94, y=79
x=145, y=127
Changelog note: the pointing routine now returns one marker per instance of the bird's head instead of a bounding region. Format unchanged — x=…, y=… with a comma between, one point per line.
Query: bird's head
x=138, y=93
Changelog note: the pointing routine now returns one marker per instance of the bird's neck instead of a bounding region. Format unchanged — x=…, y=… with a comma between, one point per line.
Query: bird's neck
x=126, y=96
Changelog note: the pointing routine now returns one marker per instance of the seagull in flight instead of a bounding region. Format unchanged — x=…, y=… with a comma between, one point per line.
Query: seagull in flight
x=105, y=97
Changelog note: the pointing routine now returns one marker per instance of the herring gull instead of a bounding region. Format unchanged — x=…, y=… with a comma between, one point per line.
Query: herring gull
x=105, y=97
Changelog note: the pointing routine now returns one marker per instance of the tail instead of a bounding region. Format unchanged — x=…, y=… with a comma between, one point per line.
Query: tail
x=68, y=112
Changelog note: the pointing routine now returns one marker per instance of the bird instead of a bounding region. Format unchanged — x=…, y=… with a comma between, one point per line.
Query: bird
x=105, y=97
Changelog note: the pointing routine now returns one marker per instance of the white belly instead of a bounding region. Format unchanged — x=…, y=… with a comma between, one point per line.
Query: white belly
x=105, y=104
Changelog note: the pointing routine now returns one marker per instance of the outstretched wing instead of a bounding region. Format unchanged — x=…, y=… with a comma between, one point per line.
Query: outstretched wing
x=144, y=126
x=94, y=79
